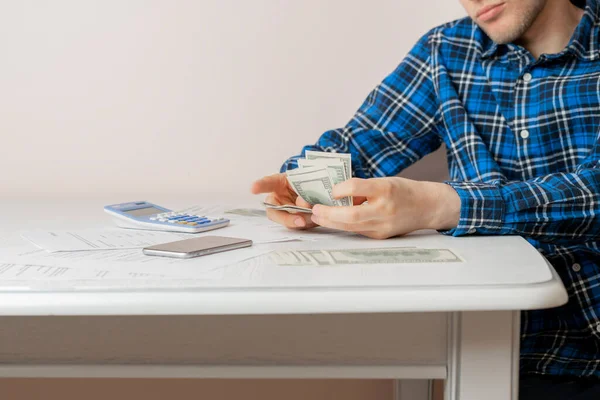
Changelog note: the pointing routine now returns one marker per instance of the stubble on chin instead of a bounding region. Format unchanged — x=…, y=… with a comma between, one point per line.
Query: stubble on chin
x=514, y=30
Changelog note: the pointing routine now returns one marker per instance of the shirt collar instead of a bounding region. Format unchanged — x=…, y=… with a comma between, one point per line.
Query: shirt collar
x=584, y=43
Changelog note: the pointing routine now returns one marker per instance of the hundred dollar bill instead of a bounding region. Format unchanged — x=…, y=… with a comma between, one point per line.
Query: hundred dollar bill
x=392, y=255
x=288, y=207
x=314, y=185
x=341, y=157
x=336, y=169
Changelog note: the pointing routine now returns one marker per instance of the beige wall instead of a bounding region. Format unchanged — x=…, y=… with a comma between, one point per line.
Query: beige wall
x=196, y=95
x=140, y=96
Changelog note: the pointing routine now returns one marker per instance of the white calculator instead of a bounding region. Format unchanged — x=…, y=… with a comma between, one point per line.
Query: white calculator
x=145, y=215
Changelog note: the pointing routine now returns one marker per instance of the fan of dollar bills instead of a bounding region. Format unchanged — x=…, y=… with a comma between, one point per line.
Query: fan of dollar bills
x=315, y=177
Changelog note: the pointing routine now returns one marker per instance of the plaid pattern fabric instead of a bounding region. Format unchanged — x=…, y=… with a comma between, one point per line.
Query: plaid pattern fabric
x=523, y=153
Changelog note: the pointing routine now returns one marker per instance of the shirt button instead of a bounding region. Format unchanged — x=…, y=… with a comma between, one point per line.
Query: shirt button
x=472, y=231
x=524, y=134
x=576, y=267
x=527, y=77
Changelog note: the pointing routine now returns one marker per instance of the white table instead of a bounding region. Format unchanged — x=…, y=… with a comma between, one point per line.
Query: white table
x=458, y=322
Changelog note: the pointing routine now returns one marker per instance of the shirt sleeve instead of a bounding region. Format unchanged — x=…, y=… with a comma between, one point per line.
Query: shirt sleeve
x=396, y=124
x=558, y=208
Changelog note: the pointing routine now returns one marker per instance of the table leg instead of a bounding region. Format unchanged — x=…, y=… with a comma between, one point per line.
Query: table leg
x=483, y=359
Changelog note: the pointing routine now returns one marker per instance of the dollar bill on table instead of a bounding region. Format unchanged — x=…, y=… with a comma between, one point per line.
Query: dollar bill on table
x=288, y=207
x=392, y=255
x=316, y=175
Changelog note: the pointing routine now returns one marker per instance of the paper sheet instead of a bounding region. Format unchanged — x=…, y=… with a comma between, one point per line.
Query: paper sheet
x=253, y=222
x=258, y=230
x=131, y=261
x=17, y=272
x=35, y=277
x=99, y=239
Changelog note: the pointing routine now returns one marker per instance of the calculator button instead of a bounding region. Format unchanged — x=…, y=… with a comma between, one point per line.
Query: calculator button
x=192, y=223
x=162, y=219
x=181, y=223
x=171, y=221
x=153, y=218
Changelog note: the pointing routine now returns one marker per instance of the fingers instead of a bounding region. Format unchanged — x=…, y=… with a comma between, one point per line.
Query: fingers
x=273, y=183
x=348, y=215
x=352, y=219
x=355, y=187
x=342, y=226
x=358, y=200
x=300, y=202
x=291, y=221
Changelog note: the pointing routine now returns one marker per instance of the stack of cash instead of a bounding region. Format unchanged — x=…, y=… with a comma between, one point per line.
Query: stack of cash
x=314, y=179
x=316, y=175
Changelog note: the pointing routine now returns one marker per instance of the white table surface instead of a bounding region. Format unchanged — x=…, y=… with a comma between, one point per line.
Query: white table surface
x=499, y=273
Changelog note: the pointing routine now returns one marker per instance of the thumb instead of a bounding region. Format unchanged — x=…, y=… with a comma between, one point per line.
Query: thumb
x=273, y=183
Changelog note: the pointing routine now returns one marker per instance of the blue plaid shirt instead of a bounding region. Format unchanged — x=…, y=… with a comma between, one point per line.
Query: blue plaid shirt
x=523, y=154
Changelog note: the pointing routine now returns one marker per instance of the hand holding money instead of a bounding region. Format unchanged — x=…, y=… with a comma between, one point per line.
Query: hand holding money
x=280, y=198
x=316, y=176
x=295, y=192
x=395, y=206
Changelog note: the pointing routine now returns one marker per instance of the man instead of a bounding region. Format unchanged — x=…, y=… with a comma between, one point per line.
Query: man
x=514, y=93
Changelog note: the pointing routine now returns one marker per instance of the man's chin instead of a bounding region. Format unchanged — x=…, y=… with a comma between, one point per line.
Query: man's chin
x=501, y=37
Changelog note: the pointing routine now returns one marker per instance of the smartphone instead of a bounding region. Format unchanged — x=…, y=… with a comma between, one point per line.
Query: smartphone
x=197, y=247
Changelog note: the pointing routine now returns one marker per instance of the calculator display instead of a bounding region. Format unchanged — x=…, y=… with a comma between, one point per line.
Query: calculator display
x=140, y=212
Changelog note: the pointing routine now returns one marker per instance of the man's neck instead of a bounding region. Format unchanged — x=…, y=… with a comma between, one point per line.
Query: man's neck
x=553, y=28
